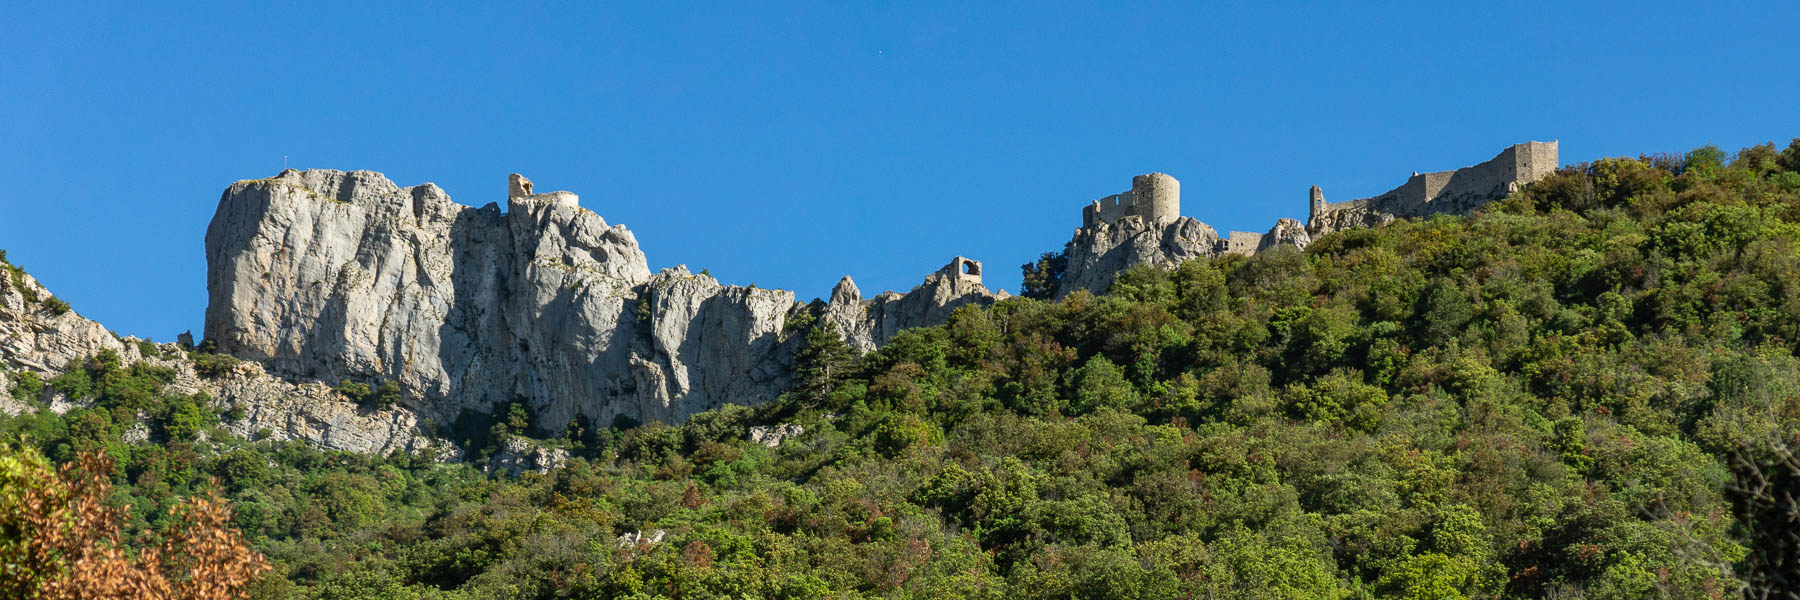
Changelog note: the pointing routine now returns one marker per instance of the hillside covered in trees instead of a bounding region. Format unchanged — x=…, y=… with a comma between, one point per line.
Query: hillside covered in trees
x=1589, y=390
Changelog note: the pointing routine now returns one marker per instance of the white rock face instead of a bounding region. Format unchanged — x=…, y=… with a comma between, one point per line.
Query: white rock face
x=256, y=406
x=34, y=337
x=1101, y=251
x=329, y=275
x=1286, y=232
x=771, y=436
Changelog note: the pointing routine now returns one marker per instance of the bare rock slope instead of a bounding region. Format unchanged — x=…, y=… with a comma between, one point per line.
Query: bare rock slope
x=43, y=336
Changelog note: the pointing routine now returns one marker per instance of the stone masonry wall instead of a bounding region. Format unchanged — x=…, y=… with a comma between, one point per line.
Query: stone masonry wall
x=1154, y=197
x=1454, y=192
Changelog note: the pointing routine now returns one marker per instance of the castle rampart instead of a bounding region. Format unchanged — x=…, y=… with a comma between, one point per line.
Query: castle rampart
x=1455, y=192
x=1154, y=197
x=1242, y=242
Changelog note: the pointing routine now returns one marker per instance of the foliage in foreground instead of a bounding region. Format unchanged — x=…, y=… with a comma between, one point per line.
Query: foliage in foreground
x=60, y=538
x=1590, y=390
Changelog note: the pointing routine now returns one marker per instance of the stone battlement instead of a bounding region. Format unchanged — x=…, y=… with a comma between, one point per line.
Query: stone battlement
x=1154, y=197
x=1460, y=191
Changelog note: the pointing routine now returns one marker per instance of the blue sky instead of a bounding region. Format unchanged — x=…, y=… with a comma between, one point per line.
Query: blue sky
x=788, y=145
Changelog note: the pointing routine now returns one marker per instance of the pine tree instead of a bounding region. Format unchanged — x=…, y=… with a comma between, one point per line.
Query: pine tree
x=820, y=363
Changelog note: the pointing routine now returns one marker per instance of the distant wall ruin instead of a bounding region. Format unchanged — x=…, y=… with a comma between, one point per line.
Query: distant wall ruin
x=1242, y=242
x=1110, y=240
x=1453, y=192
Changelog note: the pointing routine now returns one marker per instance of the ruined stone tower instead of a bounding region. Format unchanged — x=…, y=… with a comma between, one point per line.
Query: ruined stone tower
x=1156, y=198
x=1316, y=203
x=963, y=269
x=517, y=186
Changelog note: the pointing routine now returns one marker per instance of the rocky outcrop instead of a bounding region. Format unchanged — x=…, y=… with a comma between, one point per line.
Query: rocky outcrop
x=326, y=275
x=1286, y=232
x=43, y=337
x=257, y=406
x=1099, y=252
x=867, y=324
x=39, y=332
x=707, y=345
x=771, y=436
x=517, y=455
x=1143, y=227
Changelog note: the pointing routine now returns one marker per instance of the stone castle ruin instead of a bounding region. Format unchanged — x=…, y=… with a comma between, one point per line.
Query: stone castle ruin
x=963, y=269
x=1445, y=192
x=1144, y=225
x=1156, y=198
x=517, y=186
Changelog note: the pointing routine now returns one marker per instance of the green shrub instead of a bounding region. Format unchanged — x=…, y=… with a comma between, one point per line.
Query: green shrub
x=17, y=276
x=27, y=387
x=214, y=366
x=387, y=396
x=74, y=383
x=355, y=391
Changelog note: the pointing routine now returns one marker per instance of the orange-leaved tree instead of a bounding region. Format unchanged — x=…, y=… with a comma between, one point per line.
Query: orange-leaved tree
x=61, y=539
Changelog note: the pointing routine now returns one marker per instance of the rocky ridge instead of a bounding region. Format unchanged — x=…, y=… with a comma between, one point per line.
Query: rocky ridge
x=43, y=337
x=869, y=323
x=326, y=275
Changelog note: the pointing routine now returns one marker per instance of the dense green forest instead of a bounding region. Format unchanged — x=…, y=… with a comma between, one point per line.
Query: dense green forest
x=1589, y=390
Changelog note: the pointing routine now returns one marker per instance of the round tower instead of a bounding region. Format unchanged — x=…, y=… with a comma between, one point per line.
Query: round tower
x=1156, y=197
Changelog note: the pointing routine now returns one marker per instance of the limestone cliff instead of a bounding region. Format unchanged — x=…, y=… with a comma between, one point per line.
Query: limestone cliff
x=39, y=332
x=320, y=276
x=43, y=336
x=327, y=275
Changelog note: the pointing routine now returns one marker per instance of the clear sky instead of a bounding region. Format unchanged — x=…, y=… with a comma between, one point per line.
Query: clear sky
x=789, y=145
